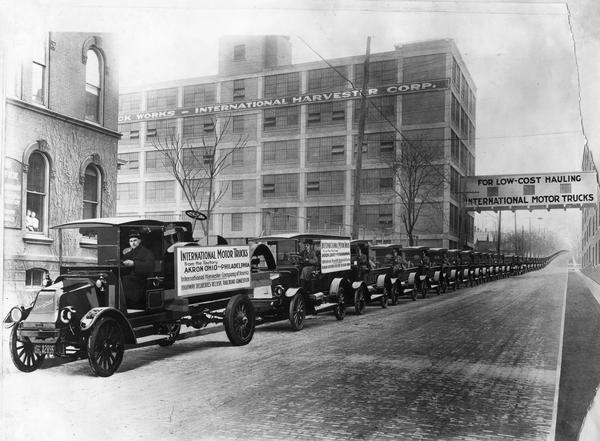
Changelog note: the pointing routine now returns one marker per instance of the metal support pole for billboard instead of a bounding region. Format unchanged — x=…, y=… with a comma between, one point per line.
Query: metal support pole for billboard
x=361, y=138
x=499, y=238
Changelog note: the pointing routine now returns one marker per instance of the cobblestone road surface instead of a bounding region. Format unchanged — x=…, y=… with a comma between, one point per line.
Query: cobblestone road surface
x=476, y=364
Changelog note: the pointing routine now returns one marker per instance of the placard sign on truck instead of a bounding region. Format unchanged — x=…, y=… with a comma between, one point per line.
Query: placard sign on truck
x=335, y=255
x=531, y=191
x=201, y=270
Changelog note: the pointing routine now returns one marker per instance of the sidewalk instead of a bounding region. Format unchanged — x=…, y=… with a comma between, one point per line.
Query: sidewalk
x=590, y=428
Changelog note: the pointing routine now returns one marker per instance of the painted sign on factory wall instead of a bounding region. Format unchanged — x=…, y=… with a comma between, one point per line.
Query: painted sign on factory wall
x=257, y=104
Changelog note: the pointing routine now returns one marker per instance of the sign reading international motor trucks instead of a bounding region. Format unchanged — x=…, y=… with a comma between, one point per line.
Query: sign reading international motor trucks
x=202, y=270
x=531, y=191
x=335, y=255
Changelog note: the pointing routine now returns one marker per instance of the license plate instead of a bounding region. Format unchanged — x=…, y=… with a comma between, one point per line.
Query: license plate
x=44, y=349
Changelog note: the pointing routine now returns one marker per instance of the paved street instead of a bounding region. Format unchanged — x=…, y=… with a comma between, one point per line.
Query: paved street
x=478, y=363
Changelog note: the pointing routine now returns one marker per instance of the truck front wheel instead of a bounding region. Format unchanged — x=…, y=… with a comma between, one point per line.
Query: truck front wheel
x=239, y=320
x=105, y=347
x=22, y=353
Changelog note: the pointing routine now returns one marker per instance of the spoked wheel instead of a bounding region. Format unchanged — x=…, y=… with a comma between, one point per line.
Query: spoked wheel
x=359, y=301
x=23, y=356
x=340, y=308
x=172, y=330
x=239, y=320
x=297, y=312
x=444, y=286
x=105, y=347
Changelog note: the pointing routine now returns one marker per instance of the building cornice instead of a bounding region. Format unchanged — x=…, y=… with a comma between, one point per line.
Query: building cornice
x=68, y=119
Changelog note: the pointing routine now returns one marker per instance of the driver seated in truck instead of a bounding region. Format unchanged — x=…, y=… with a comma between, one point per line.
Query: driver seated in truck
x=138, y=263
x=399, y=262
x=309, y=261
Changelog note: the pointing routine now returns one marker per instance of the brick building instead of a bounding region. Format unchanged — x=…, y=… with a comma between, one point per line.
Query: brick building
x=60, y=146
x=301, y=125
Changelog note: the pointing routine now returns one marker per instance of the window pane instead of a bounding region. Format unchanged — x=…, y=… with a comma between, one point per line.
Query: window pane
x=36, y=176
x=92, y=69
x=35, y=212
x=90, y=187
x=37, y=83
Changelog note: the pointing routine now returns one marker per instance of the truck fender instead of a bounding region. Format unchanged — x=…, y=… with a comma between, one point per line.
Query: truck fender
x=334, y=288
x=94, y=314
x=412, y=279
x=291, y=292
x=357, y=285
x=383, y=280
x=436, y=276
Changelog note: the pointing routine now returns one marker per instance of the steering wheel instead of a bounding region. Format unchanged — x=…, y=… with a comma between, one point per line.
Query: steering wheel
x=195, y=214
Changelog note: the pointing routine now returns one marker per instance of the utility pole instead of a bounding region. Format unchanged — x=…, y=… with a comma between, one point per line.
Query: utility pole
x=498, y=238
x=361, y=138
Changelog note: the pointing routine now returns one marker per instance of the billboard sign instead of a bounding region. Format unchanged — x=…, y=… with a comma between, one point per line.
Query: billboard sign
x=205, y=270
x=531, y=191
x=335, y=255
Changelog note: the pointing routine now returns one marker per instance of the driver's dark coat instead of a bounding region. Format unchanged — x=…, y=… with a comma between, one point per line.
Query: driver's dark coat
x=134, y=280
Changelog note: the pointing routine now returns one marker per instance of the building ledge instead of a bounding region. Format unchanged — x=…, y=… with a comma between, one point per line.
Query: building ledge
x=37, y=239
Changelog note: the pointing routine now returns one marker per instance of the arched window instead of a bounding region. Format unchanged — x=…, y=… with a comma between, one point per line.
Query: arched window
x=91, y=192
x=93, y=86
x=37, y=192
x=34, y=277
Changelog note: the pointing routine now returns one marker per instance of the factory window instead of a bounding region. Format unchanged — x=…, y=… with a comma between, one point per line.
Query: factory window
x=278, y=186
x=129, y=103
x=280, y=219
x=161, y=99
x=37, y=192
x=239, y=52
x=199, y=95
x=132, y=163
x=281, y=152
x=330, y=149
x=237, y=190
x=127, y=192
x=130, y=131
x=378, y=146
x=328, y=79
x=160, y=191
x=237, y=221
x=164, y=130
x=282, y=118
x=376, y=180
x=156, y=161
x=324, y=218
x=282, y=85
x=239, y=90
x=325, y=114
x=378, y=110
x=92, y=186
x=325, y=183
x=376, y=216
x=380, y=73
x=198, y=126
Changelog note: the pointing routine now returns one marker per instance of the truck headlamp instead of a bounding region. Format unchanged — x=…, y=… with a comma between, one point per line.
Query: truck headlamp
x=16, y=314
x=278, y=291
x=66, y=314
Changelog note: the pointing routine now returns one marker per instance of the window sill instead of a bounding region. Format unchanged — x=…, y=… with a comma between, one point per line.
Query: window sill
x=37, y=239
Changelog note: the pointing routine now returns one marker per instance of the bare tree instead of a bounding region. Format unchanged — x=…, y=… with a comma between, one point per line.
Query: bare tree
x=418, y=179
x=196, y=167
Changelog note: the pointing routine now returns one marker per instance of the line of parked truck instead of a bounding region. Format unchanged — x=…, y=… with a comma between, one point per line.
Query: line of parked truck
x=86, y=312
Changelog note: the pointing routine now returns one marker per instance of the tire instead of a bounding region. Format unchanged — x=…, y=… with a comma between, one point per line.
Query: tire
x=413, y=294
x=444, y=286
x=359, y=301
x=105, y=347
x=340, y=309
x=172, y=331
x=23, y=356
x=239, y=320
x=297, y=312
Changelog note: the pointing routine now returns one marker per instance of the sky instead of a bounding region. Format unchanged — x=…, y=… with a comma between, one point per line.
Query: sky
x=534, y=63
